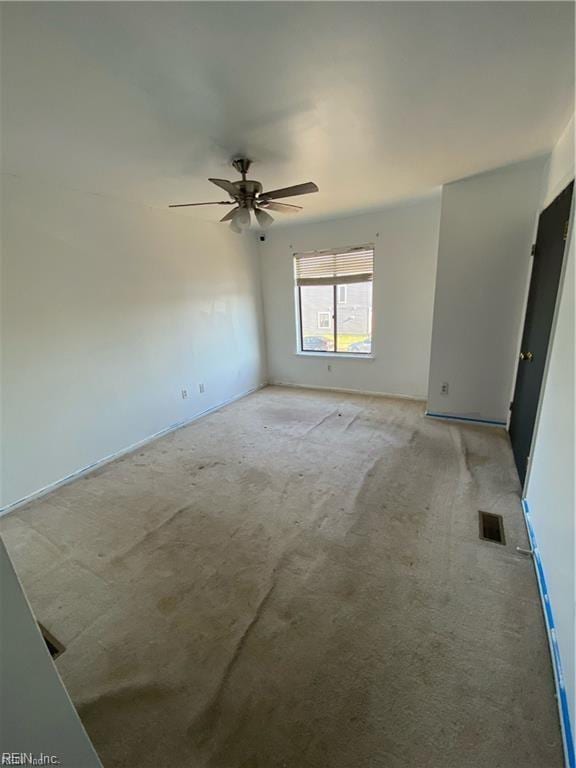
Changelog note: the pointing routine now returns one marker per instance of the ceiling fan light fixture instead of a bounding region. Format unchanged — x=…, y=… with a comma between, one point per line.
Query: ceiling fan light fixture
x=242, y=217
x=235, y=228
x=264, y=219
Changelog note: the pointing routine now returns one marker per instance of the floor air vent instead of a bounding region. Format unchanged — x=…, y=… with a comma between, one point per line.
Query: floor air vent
x=54, y=646
x=491, y=527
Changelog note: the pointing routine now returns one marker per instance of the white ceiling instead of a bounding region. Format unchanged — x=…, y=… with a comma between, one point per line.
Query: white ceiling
x=372, y=101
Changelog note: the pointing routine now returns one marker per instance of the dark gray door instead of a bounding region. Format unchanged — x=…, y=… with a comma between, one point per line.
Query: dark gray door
x=546, y=272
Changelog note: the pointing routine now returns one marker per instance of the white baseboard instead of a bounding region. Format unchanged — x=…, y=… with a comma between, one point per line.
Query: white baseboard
x=371, y=393
x=122, y=452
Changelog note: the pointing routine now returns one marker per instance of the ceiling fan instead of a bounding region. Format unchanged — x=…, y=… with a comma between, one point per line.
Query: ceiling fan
x=248, y=197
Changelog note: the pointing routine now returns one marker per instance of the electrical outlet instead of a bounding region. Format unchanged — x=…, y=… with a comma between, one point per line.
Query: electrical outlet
x=201, y=388
x=184, y=394
x=444, y=388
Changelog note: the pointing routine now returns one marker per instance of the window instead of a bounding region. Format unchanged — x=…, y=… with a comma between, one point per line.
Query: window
x=334, y=295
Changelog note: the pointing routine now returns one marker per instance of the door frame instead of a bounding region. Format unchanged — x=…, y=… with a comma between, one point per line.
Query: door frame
x=567, y=246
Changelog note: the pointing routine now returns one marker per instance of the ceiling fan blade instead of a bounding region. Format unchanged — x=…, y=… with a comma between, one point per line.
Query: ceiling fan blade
x=264, y=219
x=230, y=215
x=297, y=189
x=226, y=185
x=281, y=207
x=189, y=205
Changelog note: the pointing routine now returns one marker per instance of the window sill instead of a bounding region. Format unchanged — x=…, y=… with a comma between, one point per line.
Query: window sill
x=336, y=355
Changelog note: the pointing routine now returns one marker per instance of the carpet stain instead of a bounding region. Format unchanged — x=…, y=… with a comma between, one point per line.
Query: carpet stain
x=142, y=696
x=168, y=604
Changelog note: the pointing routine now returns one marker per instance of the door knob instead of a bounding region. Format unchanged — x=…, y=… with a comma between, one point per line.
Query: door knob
x=528, y=356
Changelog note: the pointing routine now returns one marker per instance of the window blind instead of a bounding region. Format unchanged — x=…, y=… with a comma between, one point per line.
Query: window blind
x=352, y=265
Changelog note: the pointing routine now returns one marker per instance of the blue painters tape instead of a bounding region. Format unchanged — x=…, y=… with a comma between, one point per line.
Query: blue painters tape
x=465, y=418
x=555, y=651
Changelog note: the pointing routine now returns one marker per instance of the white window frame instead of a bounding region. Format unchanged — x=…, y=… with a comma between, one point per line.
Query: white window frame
x=321, y=317
x=342, y=289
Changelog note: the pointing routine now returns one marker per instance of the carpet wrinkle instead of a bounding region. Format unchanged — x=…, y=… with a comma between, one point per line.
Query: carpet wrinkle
x=45, y=536
x=203, y=723
x=149, y=535
x=467, y=458
x=320, y=422
x=20, y=535
x=497, y=501
x=84, y=566
x=353, y=420
x=45, y=574
x=378, y=500
x=460, y=453
x=85, y=630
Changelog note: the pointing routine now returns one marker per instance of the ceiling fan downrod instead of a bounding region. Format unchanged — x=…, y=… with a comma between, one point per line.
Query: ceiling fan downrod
x=242, y=165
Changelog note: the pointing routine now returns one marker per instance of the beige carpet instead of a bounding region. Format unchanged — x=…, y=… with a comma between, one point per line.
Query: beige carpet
x=296, y=581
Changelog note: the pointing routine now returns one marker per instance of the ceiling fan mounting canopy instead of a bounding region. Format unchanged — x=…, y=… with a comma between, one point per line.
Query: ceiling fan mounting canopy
x=249, y=197
x=242, y=165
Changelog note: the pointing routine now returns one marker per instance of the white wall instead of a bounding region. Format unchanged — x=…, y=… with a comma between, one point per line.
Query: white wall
x=108, y=311
x=550, y=490
x=405, y=238
x=486, y=230
x=560, y=168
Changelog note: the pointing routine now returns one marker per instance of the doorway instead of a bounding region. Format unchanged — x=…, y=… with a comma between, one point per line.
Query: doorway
x=542, y=295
